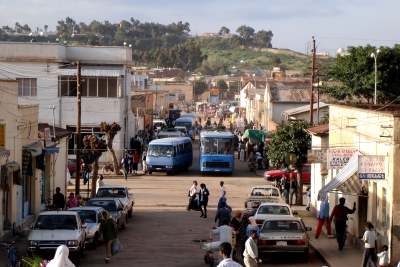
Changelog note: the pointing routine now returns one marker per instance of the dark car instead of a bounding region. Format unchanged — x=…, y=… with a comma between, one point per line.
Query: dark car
x=113, y=206
x=276, y=175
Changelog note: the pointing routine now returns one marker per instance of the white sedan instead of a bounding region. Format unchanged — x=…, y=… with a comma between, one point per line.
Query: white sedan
x=267, y=210
x=286, y=235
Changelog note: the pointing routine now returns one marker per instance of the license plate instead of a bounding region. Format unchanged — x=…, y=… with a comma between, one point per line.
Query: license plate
x=158, y=168
x=281, y=243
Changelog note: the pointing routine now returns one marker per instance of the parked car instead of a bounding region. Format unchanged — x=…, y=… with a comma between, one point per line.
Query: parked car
x=267, y=210
x=114, y=207
x=260, y=194
x=122, y=193
x=54, y=228
x=71, y=166
x=92, y=217
x=183, y=130
x=276, y=175
x=285, y=235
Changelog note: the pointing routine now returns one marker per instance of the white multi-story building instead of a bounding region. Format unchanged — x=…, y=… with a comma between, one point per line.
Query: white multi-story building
x=47, y=76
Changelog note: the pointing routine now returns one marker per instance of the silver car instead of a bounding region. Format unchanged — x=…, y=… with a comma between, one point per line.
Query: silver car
x=92, y=217
x=286, y=235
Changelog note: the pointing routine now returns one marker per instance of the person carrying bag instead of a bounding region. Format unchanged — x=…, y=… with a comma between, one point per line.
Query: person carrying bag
x=108, y=229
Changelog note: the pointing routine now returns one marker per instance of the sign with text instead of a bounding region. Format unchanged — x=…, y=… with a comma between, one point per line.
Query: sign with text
x=2, y=136
x=371, y=167
x=316, y=156
x=338, y=158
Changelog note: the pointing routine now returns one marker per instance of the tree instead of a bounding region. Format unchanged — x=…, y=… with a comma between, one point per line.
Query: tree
x=246, y=33
x=263, y=38
x=223, y=31
x=356, y=73
x=111, y=131
x=93, y=148
x=222, y=85
x=291, y=138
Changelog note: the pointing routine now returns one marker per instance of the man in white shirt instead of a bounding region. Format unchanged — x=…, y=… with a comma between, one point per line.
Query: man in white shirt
x=225, y=235
x=250, y=253
x=225, y=250
x=222, y=197
x=192, y=196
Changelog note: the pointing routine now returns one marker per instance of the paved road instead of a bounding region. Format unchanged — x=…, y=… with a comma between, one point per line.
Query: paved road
x=162, y=232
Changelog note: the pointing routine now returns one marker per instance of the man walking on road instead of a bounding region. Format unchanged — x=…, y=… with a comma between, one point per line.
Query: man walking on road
x=340, y=213
x=192, y=196
x=225, y=250
x=250, y=253
x=223, y=214
x=222, y=197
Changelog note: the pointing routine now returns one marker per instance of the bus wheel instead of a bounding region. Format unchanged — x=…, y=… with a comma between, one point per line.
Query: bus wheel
x=150, y=172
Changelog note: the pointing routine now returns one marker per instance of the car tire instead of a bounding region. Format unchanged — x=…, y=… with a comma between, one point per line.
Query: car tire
x=123, y=226
x=83, y=250
x=95, y=241
x=75, y=257
x=130, y=212
x=150, y=172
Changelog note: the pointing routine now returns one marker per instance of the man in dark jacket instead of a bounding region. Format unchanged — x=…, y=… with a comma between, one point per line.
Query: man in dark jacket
x=340, y=213
x=58, y=199
x=203, y=196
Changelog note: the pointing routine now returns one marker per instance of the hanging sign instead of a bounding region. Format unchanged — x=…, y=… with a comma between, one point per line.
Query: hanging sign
x=371, y=167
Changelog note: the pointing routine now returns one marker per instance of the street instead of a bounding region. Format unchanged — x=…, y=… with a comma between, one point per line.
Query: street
x=161, y=231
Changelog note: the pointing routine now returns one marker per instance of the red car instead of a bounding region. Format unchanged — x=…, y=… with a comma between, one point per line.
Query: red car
x=276, y=175
x=71, y=166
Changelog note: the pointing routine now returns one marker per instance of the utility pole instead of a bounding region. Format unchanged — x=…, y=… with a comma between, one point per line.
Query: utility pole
x=78, y=130
x=312, y=82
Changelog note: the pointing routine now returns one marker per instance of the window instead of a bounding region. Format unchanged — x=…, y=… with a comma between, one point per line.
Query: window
x=27, y=86
x=90, y=86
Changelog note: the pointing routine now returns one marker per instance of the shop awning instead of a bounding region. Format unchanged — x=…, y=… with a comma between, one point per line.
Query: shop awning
x=346, y=180
x=256, y=136
x=51, y=150
x=35, y=148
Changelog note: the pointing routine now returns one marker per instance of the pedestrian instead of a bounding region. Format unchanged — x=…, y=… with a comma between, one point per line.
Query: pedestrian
x=224, y=231
x=72, y=201
x=144, y=156
x=242, y=151
x=108, y=229
x=203, y=200
x=225, y=250
x=293, y=190
x=383, y=257
x=308, y=195
x=130, y=160
x=58, y=199
x=259, y=160
x=223, y=214
x=192, y=196
x=323, y=218
x=369, y=239
x=61, y=258
x=250, y=253
x=85, y=172
x=340, y=213
x=235, y=224
x=252, y=226
x=99, y=182
x=222, y=197
x=135, y=161
x=285, y=183
x=126, y=164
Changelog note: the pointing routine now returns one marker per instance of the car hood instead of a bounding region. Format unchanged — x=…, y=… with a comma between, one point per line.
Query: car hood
x=59, y=234
x=281, y=235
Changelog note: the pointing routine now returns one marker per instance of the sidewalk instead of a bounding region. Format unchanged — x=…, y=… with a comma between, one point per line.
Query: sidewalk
x=327, y=246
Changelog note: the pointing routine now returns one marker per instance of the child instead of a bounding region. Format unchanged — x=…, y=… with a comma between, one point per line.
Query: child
x=308, y=199
x=383, y=257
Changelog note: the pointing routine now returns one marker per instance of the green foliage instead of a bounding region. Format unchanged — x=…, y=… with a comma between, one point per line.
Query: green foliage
x=31, y=261
x=290, y=138
x=356, y=74
x=222, y=85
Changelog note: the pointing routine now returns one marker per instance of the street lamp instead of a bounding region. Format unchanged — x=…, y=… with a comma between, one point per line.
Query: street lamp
x=375, y=56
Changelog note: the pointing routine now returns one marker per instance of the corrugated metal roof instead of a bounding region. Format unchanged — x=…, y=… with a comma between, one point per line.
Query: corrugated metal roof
x=93, y=72
x=295, y=91
x=305, y=108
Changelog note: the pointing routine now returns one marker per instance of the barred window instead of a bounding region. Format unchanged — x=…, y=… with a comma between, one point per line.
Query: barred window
x=90, y=86
x=27, y=86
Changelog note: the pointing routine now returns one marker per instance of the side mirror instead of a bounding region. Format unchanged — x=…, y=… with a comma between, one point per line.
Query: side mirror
x=295, y=213
x=308, y=229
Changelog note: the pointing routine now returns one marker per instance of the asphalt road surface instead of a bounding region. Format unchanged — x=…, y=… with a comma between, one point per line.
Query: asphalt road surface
x=161, y=231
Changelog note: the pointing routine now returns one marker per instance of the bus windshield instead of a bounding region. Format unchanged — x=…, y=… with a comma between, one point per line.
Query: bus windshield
x=161, y=151
x=216, y=145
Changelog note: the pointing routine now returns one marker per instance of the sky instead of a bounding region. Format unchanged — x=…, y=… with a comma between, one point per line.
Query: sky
x=333, y=23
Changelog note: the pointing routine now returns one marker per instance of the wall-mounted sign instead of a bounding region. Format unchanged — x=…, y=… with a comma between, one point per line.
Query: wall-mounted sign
x=2, y=136
x=371, y=167
x=338, y=158
x=316, y=156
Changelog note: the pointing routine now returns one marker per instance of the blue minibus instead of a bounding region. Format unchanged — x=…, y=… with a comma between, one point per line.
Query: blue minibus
x=188, y=122
x=216, y=151
x=169, y=154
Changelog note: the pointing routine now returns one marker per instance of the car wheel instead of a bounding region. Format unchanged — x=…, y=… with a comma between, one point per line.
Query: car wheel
x=75, y=258
x=130, y=212
x=95, y=242
x=150, y=172
x=305, y=256
x=83, y=250
x=123, y=226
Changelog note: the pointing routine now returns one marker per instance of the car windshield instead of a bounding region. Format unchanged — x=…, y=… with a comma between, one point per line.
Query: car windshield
x=281, y=225
x=265, y=192
x=275, y=210
x=89, y=216
x=160, y=151
x=111, y=192
x=215, y=145
x=53, y=222
x=109, y=206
